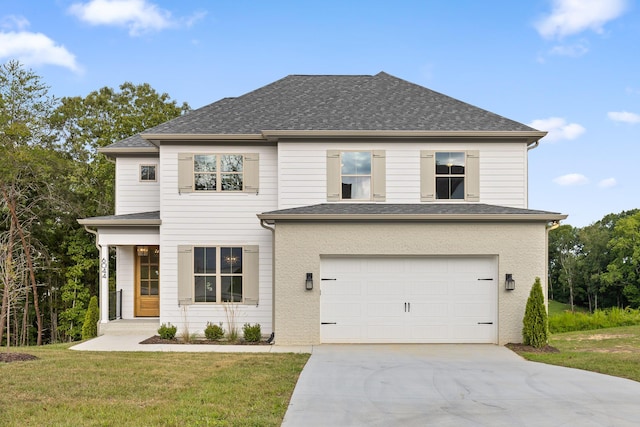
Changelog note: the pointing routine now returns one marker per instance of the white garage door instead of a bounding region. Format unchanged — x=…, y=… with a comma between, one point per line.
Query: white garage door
x=405, y=300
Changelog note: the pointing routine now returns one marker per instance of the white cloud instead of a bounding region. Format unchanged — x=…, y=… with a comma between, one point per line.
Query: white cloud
x=574, y=50
x=14, y=22
x=574, y=16
x=36, y=49
x=558, y=129
x=608, y=183
x=571, y=179
x=624, y=116
x=139, y=16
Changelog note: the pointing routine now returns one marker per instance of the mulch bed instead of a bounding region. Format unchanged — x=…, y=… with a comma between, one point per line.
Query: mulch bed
x=521, y=348
x=157, y=340
x=16, y=357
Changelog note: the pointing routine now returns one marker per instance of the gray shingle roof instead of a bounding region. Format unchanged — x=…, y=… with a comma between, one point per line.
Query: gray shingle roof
x=141, y=218
x=442, y=210
x=135, y=141
x=325, y=102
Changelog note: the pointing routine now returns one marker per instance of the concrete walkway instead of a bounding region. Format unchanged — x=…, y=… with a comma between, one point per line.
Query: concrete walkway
x=453, y=385
x=132, y=343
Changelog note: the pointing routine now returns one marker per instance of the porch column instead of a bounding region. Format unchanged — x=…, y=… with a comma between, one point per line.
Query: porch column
x=104, y=284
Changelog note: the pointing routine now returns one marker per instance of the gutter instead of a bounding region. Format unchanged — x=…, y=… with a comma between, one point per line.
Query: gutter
x=404, y=217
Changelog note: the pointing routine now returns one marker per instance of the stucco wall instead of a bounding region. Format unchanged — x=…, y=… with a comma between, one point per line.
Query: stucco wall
x=520, y=248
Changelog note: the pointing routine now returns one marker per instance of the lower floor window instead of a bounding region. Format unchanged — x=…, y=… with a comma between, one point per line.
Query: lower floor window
x=218, y=274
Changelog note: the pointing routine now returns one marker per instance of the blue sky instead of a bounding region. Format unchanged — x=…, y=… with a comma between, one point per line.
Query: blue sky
x=570, y=67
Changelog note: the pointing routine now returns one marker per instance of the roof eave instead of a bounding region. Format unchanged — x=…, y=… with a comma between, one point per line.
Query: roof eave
x=415, y=217
x=525, y=136
x=120, y=222
x=113, y=151
x=157, y=138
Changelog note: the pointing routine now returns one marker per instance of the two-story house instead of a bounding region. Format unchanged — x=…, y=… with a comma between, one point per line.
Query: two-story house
x=357, y=209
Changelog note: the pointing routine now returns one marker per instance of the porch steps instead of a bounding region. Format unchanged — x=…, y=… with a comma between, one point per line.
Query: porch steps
x=123, y=327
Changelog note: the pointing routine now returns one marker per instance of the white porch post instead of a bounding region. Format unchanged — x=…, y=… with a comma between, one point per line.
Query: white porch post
x=104, y=284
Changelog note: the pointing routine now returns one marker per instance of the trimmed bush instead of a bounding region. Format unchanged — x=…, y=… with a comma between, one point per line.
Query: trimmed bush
x=90, y=325
x=535, y=330
x=213, y=332
x=167, y=331
x=252, y=333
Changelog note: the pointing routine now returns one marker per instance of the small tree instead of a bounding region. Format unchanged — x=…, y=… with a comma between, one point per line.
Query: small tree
x=535, y=331
x=90, y=327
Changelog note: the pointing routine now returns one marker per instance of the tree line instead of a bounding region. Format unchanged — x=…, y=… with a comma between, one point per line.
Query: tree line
x=51, y=175
x=597, y=266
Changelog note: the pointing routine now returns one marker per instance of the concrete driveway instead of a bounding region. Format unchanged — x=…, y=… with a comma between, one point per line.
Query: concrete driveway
x=453, y=385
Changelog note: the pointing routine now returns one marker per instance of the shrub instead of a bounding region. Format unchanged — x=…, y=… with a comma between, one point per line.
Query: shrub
x=90, y=326
x=608, y=318
x=535, y=330
x=251, y=333
x=213, y=332
x=167, y=331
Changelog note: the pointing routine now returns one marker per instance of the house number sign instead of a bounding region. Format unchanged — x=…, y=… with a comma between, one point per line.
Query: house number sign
x=103, y=267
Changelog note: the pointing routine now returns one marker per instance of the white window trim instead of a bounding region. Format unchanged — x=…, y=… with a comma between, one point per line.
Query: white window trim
x=218, y=275
x=154, y=165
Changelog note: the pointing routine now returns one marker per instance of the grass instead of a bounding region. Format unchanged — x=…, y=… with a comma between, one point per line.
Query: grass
x=556, y=307
x=583, y=321
x=80, y=388
x=612, y=351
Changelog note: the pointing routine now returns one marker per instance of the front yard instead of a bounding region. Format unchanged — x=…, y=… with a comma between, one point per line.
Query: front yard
x=612, y=351
x=78, y=388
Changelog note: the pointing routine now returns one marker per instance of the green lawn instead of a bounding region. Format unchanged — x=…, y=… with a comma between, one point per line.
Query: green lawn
x=77, y=388
x=613, y=351
x=556, y=307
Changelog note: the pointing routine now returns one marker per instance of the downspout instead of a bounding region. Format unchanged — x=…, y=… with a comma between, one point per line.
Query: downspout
x=95, y=233
x=533, y=145
x=265, y=225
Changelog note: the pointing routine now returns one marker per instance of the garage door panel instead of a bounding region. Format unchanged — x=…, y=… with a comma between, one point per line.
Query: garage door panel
x=421, y=299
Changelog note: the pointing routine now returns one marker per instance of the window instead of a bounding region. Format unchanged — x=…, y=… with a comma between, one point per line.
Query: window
x=356, y=175
x=213, y=172
x=218, y=274
x=148, y=173
x=450, y=175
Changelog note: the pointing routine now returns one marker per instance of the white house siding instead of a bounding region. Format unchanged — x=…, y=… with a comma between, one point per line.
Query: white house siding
x=133, y=195
x=302, y=170
x=124, y=279
x=214, y=219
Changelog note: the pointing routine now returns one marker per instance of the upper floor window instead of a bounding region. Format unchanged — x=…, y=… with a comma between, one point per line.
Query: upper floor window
x=356, y=175
x=148, y=173
x=450, y=175
x=214, y=172
x=218, y=172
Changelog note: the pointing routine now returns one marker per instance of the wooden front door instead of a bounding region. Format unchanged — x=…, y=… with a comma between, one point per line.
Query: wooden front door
x=147, y=300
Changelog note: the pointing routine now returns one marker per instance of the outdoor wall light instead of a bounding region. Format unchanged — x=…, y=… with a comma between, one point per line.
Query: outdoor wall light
x=308, y=283
x=509, y=283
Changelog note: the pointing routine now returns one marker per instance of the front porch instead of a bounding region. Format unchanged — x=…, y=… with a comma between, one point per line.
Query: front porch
x=135, y=298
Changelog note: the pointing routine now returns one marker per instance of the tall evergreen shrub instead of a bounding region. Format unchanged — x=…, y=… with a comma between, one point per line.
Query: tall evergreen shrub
x=90, y=326
x=535, y=330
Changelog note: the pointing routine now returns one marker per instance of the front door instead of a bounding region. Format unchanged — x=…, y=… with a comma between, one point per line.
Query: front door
x=147, y=302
